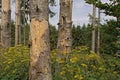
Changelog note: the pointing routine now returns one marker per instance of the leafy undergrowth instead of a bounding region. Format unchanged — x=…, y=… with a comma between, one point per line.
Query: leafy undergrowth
x=82, y=64
x=14, y=63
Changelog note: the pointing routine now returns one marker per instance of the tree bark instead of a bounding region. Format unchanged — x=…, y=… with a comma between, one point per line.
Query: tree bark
x=98, y=35
x=17, y=21
x=64, y=32
x=5, y=26
x=65, y=24
x=20, y=35
x=40, y=68
x=24, y=34
x=93, y=25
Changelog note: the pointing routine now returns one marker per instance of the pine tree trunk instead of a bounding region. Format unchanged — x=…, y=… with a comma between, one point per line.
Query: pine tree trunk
x=93, y=31
x=65, y=24
x=98, y=36
x=17, y=21
x=5, y=26
x=40, y=68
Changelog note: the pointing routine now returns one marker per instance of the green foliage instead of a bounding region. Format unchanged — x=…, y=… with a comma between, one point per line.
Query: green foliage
x=26, y=29
x=86, y=65
x=109, y=37
x=111, y=8
x=82, y=64
x=14, y=63
x=12, y=33
x=76, y=36
x=86, y=32
x=81, y=35
x=23, y=27
x=53, y=37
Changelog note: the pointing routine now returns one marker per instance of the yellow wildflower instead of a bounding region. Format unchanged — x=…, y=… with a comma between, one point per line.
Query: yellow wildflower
x=115, y=72
x=93, y=66
x=79, y=77
x=76, y=76
x=62, y=73
x=101, y=68
x=59, y=60
x=84, y=65
x=14, y=71
x=73, y=60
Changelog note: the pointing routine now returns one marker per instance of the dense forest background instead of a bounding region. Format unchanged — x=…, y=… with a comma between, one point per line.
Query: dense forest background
x=81, y=36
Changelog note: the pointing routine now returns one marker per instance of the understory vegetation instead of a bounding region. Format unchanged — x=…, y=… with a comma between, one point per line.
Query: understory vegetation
x=82, y=64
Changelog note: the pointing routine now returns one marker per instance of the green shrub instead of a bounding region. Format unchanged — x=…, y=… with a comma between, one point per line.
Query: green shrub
x=14, y=63
x=85, y=65
x=82, y=64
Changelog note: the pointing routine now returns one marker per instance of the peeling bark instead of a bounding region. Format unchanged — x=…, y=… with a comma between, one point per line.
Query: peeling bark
x=64, y=32
x=65, y=24
x=5, y=25
x=40, y=68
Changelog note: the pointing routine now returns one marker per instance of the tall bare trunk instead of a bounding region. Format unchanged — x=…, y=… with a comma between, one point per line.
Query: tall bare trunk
x=93, y=25
x=98, y=36
x=64, y=31
x=20, y=35
x=40, y=68
x=5, y=26
x=24, y=28
x=65, y=24
x=0, y=35
x=0, y=22
x=24, y=35
x=17, y=21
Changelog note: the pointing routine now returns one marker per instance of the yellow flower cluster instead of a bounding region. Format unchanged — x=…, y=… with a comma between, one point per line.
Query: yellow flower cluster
x=73, y=60
x=79, y=77
x=59, y=60
x=93, y=66
x=84, y=65
x=62, y=73
x=101, y=68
